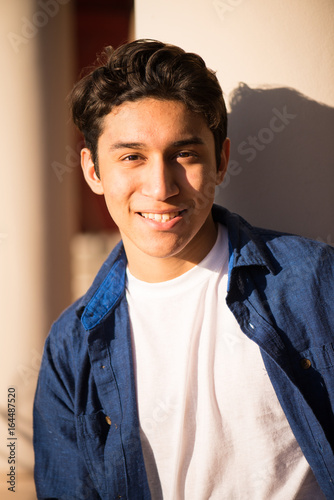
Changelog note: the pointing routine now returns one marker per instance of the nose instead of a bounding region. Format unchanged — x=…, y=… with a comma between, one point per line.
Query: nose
x=159, y=181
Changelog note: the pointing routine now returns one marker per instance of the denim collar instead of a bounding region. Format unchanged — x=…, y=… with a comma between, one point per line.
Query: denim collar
x=246, y=247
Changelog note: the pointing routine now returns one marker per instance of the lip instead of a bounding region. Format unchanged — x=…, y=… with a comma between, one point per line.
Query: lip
x=165, y=211
x=162, y=226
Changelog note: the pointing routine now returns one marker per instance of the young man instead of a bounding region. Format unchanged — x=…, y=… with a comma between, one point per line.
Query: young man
x=200, y=362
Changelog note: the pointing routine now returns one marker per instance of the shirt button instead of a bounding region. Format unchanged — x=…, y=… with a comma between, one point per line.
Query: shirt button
x=305, y=363
x=108, y=420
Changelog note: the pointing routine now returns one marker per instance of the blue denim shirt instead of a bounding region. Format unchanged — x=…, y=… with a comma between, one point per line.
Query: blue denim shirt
x=86, y=428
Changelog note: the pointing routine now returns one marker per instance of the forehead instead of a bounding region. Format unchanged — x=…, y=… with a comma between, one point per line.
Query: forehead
x=150, y=119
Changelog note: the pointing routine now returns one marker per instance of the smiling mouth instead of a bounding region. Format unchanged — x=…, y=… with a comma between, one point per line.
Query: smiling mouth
x=160, y=217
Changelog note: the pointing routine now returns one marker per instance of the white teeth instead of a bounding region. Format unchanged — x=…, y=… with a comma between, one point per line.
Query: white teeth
x=160, y=217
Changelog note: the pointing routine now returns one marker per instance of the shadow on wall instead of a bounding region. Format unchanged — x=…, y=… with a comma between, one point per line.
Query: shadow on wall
x=281, y=171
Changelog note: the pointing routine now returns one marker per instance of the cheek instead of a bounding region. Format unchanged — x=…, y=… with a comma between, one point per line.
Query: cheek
x=118, y=187
x=204, y=186
x=116, y=194
x=209, y=187
x=204, y=182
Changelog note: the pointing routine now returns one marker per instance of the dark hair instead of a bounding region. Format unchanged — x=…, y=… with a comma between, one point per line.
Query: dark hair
x=147, y=68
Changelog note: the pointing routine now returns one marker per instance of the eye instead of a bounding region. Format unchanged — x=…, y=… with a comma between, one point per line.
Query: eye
x=131, y=158
x=186, y=154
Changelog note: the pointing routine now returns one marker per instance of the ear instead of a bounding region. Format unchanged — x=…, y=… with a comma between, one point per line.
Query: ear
x=225, y=155
x=88, y=169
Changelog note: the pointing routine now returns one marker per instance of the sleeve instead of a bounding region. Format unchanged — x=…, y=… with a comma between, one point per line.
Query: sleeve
x=60, y=471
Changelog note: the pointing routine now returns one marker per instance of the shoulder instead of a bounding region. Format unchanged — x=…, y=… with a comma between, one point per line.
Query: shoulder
x=65, y=350
x=304, y=272
x=291, y=249
x=68, y=336
x=67, y=327
x=281, y=248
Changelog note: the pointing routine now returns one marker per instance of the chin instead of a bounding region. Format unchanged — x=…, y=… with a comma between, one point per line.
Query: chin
x=162, y=251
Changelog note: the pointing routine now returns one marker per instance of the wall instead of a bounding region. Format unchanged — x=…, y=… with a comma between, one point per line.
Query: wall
x=36, y=221
x=275, y=62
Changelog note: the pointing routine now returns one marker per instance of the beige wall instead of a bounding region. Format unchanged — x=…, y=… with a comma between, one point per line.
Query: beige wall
x=35, y=219
x=282, y=169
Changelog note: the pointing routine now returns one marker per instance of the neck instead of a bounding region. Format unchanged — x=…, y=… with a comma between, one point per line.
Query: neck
x=154, y=269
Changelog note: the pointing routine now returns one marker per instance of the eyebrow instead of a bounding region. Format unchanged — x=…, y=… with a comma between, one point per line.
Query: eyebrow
x=188, y=141
x=127, y=145
x=140, y=145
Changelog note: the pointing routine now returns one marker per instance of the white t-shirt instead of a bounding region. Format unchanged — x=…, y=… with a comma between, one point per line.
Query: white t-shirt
x=211, y=424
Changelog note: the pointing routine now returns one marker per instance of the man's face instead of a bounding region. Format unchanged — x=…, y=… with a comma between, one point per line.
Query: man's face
x=158, y=175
